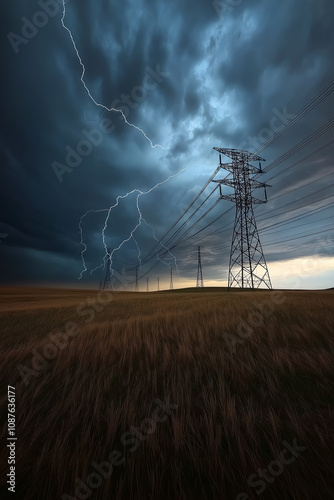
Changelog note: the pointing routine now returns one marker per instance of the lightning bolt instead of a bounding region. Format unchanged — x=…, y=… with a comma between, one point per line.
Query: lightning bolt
x=108, y=255
x=88, y=91
x=139, y=252
x=82, y=243
x=139, y=192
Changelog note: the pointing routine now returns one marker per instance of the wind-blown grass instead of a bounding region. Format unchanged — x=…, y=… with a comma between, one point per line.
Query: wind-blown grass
x=234, y=409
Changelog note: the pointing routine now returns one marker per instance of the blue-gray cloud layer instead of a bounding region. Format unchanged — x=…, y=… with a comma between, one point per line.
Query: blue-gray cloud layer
x=212, y=74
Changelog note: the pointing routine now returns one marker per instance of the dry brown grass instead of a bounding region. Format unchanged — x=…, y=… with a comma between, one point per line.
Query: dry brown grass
x=234, y=408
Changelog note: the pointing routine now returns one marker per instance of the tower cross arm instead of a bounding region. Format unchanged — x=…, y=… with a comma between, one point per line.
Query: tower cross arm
x=256, y=184
x=225, y=182
x=245, y=155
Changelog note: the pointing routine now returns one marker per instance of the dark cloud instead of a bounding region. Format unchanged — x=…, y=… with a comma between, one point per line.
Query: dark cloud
x=191, y=79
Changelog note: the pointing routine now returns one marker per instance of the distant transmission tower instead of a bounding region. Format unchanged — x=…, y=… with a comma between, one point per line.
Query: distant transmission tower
x=171, y=287
x=199, y=283
x=248, y=267
x=158, y=284
x=136, y=285
x=107, y=279
x=147, y=288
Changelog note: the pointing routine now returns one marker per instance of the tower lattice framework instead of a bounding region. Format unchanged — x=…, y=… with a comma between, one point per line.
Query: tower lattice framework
x=171, y=286
x=199, y=283
x=107, y=280
x=136, y=283
x=247, y=267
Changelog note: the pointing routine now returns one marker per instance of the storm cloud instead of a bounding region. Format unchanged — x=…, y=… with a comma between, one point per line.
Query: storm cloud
x=191, y=75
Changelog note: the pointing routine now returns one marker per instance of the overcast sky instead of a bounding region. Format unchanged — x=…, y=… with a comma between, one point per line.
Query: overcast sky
x=190, y=75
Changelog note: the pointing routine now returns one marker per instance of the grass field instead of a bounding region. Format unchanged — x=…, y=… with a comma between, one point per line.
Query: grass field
x=170, y=395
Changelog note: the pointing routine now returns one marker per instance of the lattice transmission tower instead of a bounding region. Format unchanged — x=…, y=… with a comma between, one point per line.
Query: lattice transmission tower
x=248, y=267
x=136, y=283
x=171, y=286
x=199, y=283
x=107, y=280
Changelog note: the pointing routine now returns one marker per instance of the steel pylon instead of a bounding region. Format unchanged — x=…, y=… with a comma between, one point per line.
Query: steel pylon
x=107, y=280
x=199, y=283
x=171, y=286
x=247, y=267
x=136, y=283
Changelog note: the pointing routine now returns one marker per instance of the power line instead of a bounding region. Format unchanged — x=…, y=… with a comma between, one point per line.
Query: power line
x=189, y=218
x=305, y=142
x=298, y=162
x=268, y=215
x=323, y=94
x=299, y=237
x=326, y=229
x=312, y=137
x=318, y=133
x=314, y=153
x=157, y=262
x=292, y=220
x=187, y=209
